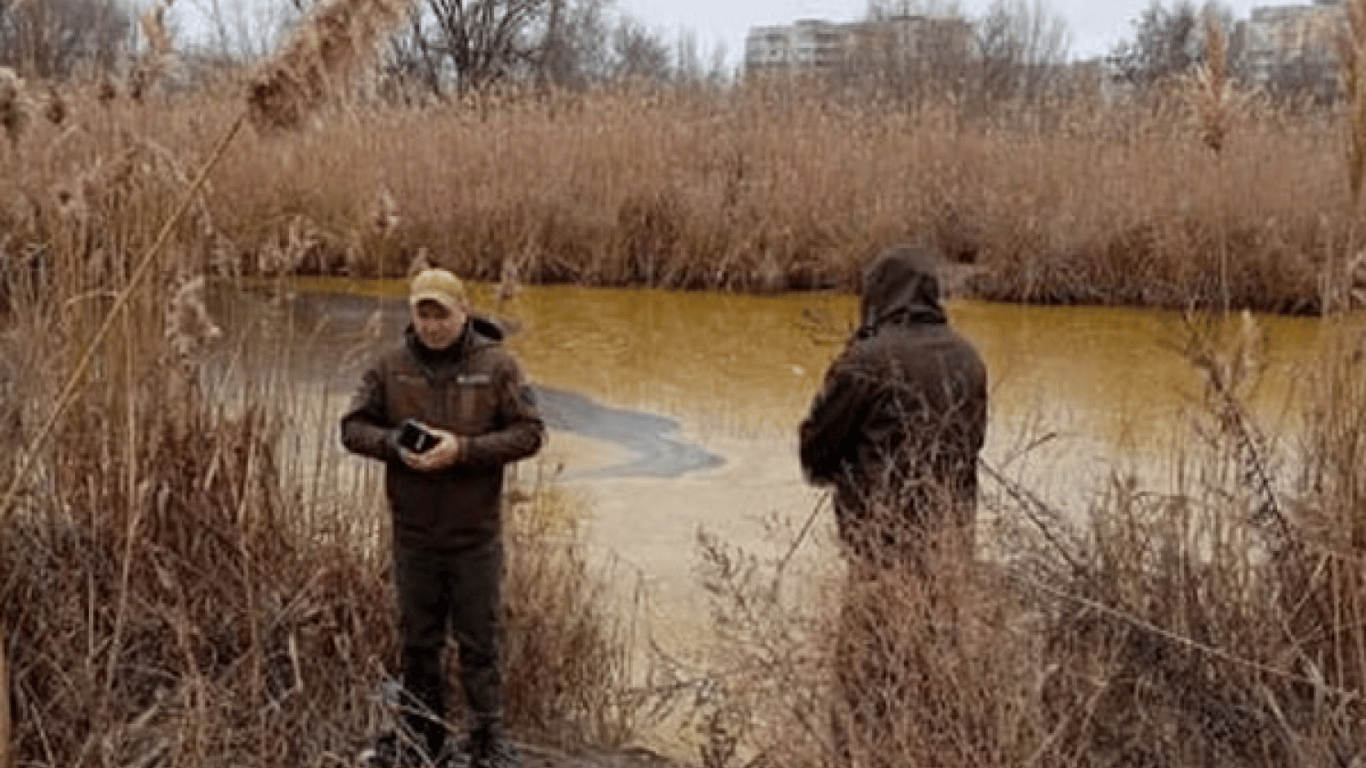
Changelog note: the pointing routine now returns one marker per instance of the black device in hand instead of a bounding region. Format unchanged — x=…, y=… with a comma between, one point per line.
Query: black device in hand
x=414, y=437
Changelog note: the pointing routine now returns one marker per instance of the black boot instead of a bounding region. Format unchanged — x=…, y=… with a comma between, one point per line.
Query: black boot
x=490, y=747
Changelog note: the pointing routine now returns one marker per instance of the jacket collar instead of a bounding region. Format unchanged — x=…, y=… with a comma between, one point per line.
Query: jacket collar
x=479, y=332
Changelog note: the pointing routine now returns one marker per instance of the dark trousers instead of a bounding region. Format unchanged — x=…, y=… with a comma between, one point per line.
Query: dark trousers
x=456, y=593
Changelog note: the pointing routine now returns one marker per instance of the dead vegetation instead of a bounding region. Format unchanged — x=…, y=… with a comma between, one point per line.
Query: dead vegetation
x=757, y=189
x=1215, y=622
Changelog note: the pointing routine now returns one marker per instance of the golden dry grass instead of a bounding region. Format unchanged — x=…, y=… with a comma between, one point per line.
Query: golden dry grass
x=763, y=189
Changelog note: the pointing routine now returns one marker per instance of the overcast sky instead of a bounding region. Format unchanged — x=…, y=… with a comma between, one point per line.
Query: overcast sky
x=1096, y=25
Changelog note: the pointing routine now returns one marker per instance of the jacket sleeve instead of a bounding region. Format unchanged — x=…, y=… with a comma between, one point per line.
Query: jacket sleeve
x=521, y=431
x=365, y=428
x=829, y=434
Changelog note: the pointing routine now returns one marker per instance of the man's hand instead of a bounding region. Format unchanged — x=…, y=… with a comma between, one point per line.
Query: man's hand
x=446, y=453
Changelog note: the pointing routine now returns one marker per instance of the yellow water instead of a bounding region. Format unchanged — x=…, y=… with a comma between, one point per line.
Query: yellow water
x=1105, y=387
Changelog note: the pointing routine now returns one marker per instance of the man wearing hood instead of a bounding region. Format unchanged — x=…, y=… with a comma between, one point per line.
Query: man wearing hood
x=446, y=410
x=896, y=430
x=901, y=417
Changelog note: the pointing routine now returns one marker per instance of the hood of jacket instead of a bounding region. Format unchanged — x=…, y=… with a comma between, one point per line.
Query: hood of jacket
x=900, y=287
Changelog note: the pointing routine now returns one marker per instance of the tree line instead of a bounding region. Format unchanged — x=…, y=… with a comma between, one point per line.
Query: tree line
x=1013, y=50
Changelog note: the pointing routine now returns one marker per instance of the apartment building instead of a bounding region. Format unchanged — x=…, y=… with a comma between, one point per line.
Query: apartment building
x=1294, y=45
x=815, y=45
x=805, y=44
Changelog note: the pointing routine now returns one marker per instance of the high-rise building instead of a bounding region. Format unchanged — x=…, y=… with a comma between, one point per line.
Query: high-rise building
x=1294, y=46
x=812, y=45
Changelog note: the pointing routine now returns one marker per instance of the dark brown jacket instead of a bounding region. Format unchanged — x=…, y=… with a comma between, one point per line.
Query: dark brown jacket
x=476, y=390
x=898, y=424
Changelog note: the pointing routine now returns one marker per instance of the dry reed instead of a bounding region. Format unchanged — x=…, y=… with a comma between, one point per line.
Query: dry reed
x=749, y=192
x=6, y=721
x=724, y=195
x=337, y=38
x=1215, y=99
x=189, y=326
x=159, y=53
x=1352, y=60
x=13, y=113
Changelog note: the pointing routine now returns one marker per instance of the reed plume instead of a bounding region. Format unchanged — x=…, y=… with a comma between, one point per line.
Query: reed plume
x=334, y=42
x=423, y=260
x=13, y=116
x=385, y=216
x=154, y=27
x=1215, y=103
x=189, y=325
x=160, y=50
x=56, y=108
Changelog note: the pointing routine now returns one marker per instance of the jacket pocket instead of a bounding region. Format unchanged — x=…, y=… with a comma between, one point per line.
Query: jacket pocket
x=410, y=397
x=475, y=406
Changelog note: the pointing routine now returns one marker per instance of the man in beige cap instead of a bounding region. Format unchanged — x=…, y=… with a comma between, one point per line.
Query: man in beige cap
x=446, y=411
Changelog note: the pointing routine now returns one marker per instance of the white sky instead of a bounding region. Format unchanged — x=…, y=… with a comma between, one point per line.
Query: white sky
x=1096, y=25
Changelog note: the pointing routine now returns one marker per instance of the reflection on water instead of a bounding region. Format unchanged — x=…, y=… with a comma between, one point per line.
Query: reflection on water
x=677, y=412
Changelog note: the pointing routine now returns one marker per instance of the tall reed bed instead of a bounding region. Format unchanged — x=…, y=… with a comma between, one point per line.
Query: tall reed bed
x=766, y=188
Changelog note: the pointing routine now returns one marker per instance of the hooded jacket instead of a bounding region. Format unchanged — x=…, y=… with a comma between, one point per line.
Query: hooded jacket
x=474, y=389
x=901, y=417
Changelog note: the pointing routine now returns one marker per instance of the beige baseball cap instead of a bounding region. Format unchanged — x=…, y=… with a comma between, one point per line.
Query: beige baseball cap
x=440, y=286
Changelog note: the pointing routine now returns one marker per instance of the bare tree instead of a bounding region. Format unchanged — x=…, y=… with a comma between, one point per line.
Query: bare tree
x=1167, y=42
x=485, y=40
x=688, y=59
x=1022, y=47
x=571, y=44
x=638, y=53
x=883, y=10
x=243, y=30
x=413, y=63
x=575, y=48
x=1309, y=78
x=56, y=38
